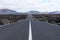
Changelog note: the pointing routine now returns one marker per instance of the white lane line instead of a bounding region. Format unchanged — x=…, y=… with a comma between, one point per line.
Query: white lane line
x=30, y=31
x=8, y=24
x=51, y=24
x=11, y=23
x=48, y=23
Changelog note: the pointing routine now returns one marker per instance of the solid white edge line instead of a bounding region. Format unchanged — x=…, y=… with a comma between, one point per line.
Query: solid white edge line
x=13, y=23
x=50, y=23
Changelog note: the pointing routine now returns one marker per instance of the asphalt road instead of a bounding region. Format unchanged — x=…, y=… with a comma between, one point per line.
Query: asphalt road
x=16, y=31
x=44, y=31
x=20, y=31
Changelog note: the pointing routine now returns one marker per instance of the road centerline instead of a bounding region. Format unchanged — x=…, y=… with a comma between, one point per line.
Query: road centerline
x=30, y=30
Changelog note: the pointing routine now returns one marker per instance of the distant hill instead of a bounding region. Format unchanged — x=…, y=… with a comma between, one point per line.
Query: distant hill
x=36, y=12
x=54, y=12
x=33, y=12
x=7, y=11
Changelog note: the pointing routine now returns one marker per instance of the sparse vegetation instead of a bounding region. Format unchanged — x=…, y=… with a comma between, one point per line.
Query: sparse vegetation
x=5, y=19
x=50, y=18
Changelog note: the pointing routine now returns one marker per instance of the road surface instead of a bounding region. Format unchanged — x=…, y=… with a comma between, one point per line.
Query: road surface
x=20, y=31
x=16, y=31
x=44, y=31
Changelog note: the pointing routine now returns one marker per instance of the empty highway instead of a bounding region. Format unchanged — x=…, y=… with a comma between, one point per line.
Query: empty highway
x=16, y=31
x=20, y=31
x=44, y=31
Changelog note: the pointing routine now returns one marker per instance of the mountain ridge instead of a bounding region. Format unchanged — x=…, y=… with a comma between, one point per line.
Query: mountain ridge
x=9, y=11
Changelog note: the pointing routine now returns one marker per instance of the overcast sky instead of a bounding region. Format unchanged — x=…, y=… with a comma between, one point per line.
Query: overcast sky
x=26, y=5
